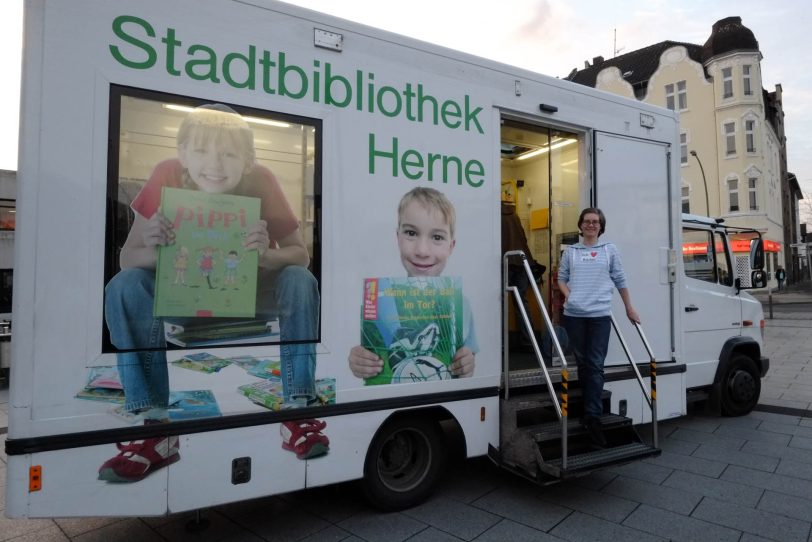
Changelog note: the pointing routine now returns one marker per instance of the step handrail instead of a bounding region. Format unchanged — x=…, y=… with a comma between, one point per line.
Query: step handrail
x=562, y=407
x=650, y=395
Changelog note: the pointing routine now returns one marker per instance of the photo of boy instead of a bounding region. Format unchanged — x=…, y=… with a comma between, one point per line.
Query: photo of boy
x=215, y=154
x=425, y=236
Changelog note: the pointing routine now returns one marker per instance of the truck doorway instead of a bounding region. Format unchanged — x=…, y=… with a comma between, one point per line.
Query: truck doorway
x=540, y=198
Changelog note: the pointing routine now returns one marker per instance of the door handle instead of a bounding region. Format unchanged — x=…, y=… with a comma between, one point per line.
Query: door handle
x=691, y=308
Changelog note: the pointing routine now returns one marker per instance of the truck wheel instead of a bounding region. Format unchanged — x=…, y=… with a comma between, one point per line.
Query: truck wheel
x=741, y=386
x=403, y=463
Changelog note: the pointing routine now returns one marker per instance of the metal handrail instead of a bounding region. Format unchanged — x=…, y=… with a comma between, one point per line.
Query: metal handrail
x=562, y=407
x=649, y=394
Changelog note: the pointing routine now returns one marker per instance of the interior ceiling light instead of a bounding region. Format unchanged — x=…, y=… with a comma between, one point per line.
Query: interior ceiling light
x=254, y=120
x=548, y=148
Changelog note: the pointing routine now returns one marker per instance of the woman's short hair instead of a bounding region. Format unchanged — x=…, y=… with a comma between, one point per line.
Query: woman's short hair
x=593, y=211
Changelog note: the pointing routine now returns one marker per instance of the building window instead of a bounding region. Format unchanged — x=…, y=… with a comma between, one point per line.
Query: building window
x=682, y=96
x=730, y=138
x=678, y=98
x=752, y=186
x=686, y=199
x=748, y=89
x=727, y=82
x=683, y=148
x=733, y=194
x=750, y=135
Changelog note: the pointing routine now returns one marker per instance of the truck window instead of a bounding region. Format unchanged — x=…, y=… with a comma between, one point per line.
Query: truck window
x=213, y=288
x=705, y=257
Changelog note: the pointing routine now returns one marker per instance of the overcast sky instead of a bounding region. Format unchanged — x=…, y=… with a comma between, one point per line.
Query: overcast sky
x=547, y=36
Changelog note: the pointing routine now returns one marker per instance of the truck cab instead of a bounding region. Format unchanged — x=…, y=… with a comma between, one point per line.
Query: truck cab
x=722, y=324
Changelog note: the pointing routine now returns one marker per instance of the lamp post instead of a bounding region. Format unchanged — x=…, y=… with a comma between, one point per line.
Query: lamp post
x=704, y=181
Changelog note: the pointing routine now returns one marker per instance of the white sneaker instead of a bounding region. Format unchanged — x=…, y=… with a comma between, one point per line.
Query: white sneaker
x=124, y=415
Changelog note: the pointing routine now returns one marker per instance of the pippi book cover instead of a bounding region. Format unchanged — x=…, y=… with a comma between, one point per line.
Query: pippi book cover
x=414, y=325
x=207, y=272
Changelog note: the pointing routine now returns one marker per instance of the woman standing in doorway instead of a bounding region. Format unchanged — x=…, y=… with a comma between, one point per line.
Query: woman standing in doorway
x=589, y=271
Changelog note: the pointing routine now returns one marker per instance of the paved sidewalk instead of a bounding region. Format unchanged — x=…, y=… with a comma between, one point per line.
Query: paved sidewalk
x=742, y=479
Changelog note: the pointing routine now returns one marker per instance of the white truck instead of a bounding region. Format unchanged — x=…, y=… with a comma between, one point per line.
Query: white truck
x=345, y=120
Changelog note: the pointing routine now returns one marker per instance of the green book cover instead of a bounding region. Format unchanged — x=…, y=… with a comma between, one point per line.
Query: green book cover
x=207, y=272
x=414, y=324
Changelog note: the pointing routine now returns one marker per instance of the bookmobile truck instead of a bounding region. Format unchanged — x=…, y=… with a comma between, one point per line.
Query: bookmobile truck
x=345, y=120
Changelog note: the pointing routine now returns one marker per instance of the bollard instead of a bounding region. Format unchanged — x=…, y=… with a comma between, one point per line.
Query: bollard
x=770, y=298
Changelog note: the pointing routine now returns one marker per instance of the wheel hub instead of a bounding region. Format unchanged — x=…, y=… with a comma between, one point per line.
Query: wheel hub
x=742, y=386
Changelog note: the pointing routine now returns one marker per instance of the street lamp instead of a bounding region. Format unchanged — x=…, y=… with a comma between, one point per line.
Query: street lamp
x=704, y=181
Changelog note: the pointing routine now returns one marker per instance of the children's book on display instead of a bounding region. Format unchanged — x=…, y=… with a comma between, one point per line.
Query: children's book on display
x=206, y=272
x=208, y=332
x=414, y=325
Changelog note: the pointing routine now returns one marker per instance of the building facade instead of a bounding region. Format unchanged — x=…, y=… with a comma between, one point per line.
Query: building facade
x=732, y=146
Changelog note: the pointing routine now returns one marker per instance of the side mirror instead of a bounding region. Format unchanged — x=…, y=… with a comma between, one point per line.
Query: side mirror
x=758, y=278
x=757, y=254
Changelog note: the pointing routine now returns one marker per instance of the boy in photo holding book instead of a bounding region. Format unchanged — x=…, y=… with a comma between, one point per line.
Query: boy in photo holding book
x=425, y=235
x=215, y=155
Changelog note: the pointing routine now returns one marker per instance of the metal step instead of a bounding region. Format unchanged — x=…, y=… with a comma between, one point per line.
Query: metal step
x=582, y=463
x=552, y=430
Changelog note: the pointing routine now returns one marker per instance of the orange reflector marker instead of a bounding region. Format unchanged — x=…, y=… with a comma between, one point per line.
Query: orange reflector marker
x=482, y=414
x=762, y=324
x=747, y=323
x=35, y=478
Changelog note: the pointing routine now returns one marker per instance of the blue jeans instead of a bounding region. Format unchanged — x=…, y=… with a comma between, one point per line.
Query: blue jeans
x=290, y=294
x=589, y=340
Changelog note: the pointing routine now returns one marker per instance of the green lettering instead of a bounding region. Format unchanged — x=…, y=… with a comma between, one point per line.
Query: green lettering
x=457, y=162
x=210, y=62
x=171, y=45
x=267, y=64
x=396, y=96
x=329, y=79
x=421, y=100
x=451, y=110
x=473, y=169
x=410, y=159
x=118, y=30
x=470, y=116
x=284, y=69
x=250, y=62
x=390, y=155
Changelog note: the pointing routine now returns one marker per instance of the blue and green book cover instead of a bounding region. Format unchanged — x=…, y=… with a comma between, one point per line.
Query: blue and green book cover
x=414, y=324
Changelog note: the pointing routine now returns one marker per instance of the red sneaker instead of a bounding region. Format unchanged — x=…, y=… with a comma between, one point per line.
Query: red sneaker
x=138, y=459
x=304, y=438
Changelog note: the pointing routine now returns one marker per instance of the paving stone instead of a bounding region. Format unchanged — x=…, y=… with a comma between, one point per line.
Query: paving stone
x=675, y=500
x=801, y=442
x=130, y=530
x=786, y=505
x=643, y=471
x=795, y=468
x=48, y=534
x=591, y=502
x=781, y=452
x=700, y=423
x=752, y=435
x=219, y=527
x=432, y=535
x=578, y=527
x=374, y=526
x=596, y=480
x=515, y=532
x=453, y=517
x=696, y=465
x=735, y=457
x=76, y=526
x=767, y=524
x=719, y=441
x=786, y=429
x=293, y=524
x=676, y=446
x=523, y=506
x=777, y=482
x=10, y=528
x=722, y=490
x=678, y=527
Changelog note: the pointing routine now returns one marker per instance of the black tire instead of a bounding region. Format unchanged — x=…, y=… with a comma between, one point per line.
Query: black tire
x=403, y=463
x=741, y=386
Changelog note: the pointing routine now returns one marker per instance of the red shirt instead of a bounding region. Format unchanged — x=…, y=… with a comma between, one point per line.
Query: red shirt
x=258, y=183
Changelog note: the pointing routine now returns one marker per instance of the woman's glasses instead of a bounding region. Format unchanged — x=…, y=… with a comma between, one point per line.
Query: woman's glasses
x=591, y=222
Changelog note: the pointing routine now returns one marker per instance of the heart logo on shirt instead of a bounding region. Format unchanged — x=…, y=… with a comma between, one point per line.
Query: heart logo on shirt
x=594, y=254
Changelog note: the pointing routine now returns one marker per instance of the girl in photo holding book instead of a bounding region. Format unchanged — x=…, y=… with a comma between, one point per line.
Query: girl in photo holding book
x=215, y=155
